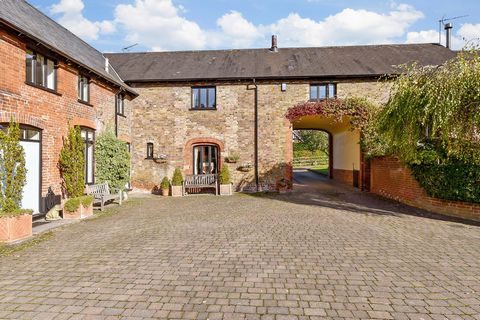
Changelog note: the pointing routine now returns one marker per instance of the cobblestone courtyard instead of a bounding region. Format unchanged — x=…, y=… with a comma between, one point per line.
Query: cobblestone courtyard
x=321, y=253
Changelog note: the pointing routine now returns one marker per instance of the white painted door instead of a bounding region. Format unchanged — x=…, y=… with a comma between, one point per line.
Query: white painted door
x=31, y=191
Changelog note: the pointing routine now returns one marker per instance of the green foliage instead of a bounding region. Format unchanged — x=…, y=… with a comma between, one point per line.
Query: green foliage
x=177, y=179
x=112, y=160
x=432, y=123
x=86, y=201
x=165, y=185
x=312, y=140
x=224, y=177
x=12, y=169
x=460, y=182
x=14, y=213
x=72, y=163
x=72, y=204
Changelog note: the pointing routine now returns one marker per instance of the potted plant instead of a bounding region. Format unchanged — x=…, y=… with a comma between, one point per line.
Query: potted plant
x=78, y=208
x=282, y=185
x=71, y=165
x=225, y=183
x=165, y=186
x=177, y=181
x=15, y=223
x=233, y=158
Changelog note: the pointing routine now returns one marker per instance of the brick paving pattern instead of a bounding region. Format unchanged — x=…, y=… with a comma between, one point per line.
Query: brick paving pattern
x=308, y=255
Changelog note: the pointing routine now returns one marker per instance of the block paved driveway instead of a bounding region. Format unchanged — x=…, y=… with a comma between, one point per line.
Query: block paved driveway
x=323, y=252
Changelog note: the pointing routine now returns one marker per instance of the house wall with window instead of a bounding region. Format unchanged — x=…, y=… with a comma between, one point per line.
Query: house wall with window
x=170, y=123
x=52, y=107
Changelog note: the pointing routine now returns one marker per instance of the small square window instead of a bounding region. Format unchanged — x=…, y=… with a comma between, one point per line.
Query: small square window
x=204, y=98
x=149, y=150
x=40, y=70
x=323, y=91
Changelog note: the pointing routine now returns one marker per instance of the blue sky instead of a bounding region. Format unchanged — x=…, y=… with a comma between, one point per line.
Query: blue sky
x=110, y=25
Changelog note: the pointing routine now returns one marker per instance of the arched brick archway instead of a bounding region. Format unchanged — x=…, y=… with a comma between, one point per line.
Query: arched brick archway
x=21, y=118
x=188, y=151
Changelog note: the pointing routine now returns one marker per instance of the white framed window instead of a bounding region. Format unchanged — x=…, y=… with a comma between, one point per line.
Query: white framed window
x=88, y=136
x=83, y=88
x=120, y=104
x=40, y=70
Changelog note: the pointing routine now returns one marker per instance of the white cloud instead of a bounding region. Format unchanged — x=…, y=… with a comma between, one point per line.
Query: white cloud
x=470, y=32
x=346, y=27
x=158, y=24
x=236, y=31
x=72, y=18
x=426, y=36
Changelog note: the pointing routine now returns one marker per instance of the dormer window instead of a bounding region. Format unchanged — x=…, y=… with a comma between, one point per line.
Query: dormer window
x=323, y=91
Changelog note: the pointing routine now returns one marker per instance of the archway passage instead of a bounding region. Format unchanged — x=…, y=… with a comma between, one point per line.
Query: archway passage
x=312, y=151
x=344, y=146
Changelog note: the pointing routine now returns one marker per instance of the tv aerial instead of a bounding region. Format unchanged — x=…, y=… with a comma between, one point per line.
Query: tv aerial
x=127, y=49
x=441, y=23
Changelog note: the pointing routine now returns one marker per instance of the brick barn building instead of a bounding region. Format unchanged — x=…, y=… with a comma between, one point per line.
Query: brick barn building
x=187, y=109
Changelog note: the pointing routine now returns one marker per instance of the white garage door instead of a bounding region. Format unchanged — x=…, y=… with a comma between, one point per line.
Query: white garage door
x=31, y=192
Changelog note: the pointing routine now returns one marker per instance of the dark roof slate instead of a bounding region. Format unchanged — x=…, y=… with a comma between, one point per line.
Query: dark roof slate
x=346, y=61
x=21, y=16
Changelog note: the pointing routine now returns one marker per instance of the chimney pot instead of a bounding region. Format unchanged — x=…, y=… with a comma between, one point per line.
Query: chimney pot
x=448, y=31
x=274, y=47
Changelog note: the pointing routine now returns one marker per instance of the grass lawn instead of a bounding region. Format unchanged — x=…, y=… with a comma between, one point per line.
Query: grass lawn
x=322, y=169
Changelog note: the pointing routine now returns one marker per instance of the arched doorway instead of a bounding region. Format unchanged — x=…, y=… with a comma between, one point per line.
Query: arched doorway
x=205, y=159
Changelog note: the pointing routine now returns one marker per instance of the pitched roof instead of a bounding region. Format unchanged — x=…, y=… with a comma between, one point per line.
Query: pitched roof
x=21, y=16
x=347, y=61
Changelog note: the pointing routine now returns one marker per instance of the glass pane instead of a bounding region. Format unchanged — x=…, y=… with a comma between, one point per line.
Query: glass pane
x=331, y=91
x=29, y=134
x=89, y=163
x=50, y=74
x=322, y=92
x=313, y=92
x=196, y=160
x=85, y=90
x=30, y=66
x=196, y=98
x=39, y=70
x=203, y=98
x=211, y=97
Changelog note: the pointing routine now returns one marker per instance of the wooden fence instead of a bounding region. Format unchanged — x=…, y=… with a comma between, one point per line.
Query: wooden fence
x=309, y=162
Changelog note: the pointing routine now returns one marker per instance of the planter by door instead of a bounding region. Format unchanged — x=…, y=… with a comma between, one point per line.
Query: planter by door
x=31, y=143
x=177, y=191
x=15, y=228
x=226, y=189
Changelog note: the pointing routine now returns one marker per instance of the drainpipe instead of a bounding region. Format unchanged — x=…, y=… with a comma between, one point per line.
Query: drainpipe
x=257, y=186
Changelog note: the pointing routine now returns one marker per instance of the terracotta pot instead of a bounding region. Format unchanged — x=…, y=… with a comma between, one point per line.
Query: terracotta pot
x=15, y=228
x=165, y=192
x=225, y=189
x=177, y=191
x=72, y=215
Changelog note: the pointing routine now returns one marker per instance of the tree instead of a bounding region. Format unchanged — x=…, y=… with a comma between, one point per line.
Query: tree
x=313, y=140
x=112, y=160
x=12, y=169
x=72, y=163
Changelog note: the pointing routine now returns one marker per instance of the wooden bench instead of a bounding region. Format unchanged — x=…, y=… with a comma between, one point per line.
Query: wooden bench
x=101, y=194
x=200, y=181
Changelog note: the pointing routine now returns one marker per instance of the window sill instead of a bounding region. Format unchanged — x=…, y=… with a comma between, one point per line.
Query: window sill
x=203, y=109
x=43, y=88
x=85, y=103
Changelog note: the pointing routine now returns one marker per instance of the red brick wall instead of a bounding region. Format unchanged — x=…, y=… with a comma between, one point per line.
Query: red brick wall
x=391, y=179
x=51, y=112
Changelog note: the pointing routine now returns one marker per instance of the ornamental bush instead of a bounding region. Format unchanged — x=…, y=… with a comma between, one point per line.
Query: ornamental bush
x=165, y=185
x=112, y=160
x=224, y=177
x=72, y=163
x=177, y=178
x=12, y=170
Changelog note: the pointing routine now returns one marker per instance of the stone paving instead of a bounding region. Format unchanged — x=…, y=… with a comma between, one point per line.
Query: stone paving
x=323, y=252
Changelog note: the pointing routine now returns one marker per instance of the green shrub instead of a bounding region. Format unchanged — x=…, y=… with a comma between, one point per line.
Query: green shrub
x=72, y=163
x=177, y=178
x=459, y=182
x=86, y=201
x=12, y=169
x=224, y=177
x=72, y=204
x=112, y=160
x=165, y=184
